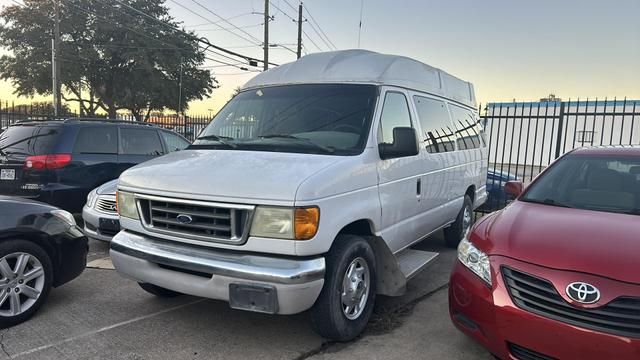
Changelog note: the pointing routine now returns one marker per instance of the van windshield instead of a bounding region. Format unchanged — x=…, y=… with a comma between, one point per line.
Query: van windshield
x=329, y=119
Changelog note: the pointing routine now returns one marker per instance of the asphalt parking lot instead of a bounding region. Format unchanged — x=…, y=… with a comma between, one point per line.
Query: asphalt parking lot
x=103, y=316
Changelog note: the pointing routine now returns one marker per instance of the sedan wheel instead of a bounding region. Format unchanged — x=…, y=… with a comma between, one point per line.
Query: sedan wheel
x=21, y=284
x=26, y=275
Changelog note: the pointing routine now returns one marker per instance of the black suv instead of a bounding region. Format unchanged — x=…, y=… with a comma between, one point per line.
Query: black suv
x=60, y=161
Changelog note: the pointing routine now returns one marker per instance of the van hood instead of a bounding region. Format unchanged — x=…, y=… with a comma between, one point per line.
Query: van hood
x=598, y=243
x=232, y=174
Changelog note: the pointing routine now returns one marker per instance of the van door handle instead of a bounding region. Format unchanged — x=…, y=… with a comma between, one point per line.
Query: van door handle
x=419, y=187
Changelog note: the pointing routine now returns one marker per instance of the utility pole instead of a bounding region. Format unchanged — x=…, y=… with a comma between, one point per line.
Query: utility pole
x=300, y=30
x=180, y=90
x=266, y=35
x=57, y=104
x=54, y=79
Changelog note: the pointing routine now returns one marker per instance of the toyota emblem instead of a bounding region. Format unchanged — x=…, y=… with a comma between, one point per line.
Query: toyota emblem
x=184, y=219
x=583, y=292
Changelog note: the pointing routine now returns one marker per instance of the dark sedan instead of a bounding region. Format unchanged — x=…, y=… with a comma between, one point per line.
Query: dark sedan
x=40, y=247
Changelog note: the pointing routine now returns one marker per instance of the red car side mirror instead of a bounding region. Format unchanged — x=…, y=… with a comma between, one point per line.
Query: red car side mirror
x=514, y=188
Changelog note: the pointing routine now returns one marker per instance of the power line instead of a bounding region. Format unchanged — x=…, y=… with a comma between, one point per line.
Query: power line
x=229, y=18
x=223, y=19
x=241, y=27
x=201, y=40
x=158, y=40
x=313, y=21
x=310, y=39
x=284, y=13
x=304, y=32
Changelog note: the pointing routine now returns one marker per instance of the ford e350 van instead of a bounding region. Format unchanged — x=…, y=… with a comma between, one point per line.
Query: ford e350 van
x=307, y=190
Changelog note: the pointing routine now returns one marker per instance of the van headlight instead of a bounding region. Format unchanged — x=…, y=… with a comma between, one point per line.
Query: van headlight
x=126, y=205
x=475, y=260
x=285, y=222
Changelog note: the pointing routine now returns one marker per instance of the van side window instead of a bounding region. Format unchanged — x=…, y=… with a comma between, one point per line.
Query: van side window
x=395, y=113
x=437, y=129
x=139, y=142
x=97, y=140
x=468, y=130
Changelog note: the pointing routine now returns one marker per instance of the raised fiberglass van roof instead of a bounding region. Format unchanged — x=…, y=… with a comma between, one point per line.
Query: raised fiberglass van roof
x=364, y=66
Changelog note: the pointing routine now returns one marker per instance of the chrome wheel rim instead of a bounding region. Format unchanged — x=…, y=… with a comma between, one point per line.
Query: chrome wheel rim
x=21, y=283
x=466, y=222
x=355, y=288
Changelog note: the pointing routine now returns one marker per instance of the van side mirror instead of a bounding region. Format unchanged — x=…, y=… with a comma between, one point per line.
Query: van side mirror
x=514, y=188
x=405, y=143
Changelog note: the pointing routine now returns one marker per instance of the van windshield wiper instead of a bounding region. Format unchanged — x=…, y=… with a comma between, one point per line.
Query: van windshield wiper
x=326, y=149
x=219, y=138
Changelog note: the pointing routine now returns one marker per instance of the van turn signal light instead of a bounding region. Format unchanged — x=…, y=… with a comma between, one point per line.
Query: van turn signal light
x=306, y=222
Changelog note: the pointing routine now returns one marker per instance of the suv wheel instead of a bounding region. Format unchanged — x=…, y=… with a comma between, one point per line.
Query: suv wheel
x=26, y=275
x=347, y=298
x=462, y=226
x=158, y=291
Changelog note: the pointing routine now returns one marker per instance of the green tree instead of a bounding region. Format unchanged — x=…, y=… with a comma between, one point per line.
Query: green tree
x=112, y=57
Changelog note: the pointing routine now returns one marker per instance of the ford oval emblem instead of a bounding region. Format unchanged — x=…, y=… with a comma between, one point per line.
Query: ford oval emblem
x=184, y=219
x=583, y=293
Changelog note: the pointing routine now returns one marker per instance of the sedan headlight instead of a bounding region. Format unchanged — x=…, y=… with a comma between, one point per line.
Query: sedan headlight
x=475, y=260
x=126, y=205
x=64, y=216
x=285, y=222
x=91, y=197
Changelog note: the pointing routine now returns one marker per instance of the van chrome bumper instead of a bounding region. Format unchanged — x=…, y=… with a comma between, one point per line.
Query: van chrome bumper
x=208, y=273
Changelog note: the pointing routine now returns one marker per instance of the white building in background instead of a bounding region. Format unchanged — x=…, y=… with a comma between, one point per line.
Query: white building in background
x=527, y=133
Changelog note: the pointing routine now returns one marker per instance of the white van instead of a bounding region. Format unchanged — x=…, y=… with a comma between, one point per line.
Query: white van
x=307, y=190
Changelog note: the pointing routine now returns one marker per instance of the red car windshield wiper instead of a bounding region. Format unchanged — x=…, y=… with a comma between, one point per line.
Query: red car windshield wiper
x=547, y=201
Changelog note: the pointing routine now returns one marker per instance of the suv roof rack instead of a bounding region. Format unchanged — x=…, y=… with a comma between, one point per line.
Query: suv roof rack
x=114, y=121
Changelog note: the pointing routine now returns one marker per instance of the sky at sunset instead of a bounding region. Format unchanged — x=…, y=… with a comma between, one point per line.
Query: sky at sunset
x=509, y=49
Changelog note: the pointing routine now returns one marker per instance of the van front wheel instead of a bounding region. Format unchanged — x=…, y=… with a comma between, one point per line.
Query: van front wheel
x=461, y=227
x=347, y=298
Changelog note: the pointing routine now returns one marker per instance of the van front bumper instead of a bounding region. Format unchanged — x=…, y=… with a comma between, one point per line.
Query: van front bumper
x=249, y=282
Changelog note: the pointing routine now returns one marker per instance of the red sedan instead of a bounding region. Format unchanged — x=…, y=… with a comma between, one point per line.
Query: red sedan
x=556, y=274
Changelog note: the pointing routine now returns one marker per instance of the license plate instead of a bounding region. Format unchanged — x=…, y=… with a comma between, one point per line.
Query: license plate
x=7, y=174
x=109, y=225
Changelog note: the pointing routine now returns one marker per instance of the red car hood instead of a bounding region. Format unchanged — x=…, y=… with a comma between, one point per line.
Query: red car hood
x=598, y=243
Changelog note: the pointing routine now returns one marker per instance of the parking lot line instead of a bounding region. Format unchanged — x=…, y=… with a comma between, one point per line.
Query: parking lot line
x=106, y=328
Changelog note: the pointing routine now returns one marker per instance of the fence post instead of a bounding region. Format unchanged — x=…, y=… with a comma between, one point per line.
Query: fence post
x=559, y=137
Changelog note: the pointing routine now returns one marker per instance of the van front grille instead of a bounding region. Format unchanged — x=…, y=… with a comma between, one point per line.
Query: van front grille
x=197, y=220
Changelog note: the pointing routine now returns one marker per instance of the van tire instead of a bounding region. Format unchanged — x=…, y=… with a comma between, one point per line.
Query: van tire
x=459, y=229
x=158, y=291
x=328, y=315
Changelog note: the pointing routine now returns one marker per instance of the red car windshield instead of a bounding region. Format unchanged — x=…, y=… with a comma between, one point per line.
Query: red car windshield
x=600, y=183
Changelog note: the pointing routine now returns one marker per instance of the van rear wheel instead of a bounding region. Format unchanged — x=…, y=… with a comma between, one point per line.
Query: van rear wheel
x=462, y=226
x=345, y=304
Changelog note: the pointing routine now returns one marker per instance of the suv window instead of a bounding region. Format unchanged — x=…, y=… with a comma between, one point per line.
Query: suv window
x=29, y=140
x=395, y=113
x=139, y=142
x=173, y=141
x=97, y=140
x=437, y=129
x=467, y=128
